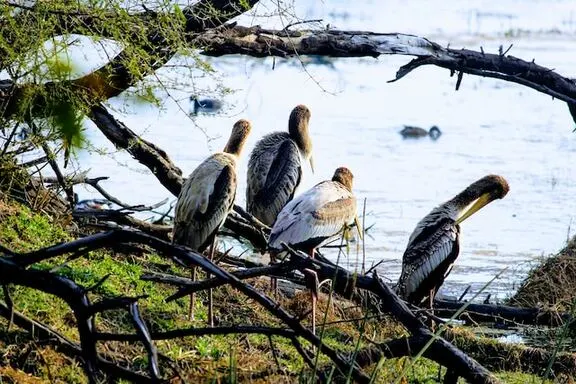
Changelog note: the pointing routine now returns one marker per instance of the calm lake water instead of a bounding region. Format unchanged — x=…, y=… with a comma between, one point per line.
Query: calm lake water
x=489, y=126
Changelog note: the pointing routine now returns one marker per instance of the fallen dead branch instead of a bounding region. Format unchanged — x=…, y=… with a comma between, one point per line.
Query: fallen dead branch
x=42, y=332
x=500, y=313
x=104, y=216
x=439, y=349
x=145, y=152
x=84, y=311
x=191, y=286
x=81, y=178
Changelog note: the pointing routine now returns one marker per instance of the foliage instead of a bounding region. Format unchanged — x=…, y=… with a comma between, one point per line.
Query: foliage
x=72, y=55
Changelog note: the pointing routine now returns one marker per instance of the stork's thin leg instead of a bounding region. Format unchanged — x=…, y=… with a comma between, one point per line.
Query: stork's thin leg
x=210, y=305
x=273, y=280
x=192, y=296
x=431, y=307
x=312, y=284
x=312, y=278
x=314, y=301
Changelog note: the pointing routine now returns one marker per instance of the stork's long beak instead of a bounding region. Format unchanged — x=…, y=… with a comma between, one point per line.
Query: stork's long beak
x=312, y=163
x=359, y=227
x=474, y=207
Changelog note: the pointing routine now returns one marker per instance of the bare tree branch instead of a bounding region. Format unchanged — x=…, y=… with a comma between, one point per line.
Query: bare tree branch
x=81, y=178
x=112, y=79
x=105, y=216
x=259, y=42
x=186, y=332
x=13, y=269
x=190, y=286
x=144, y=336
x=501, y=313
x=123, y=137
x=345, y=282
x=442, y=351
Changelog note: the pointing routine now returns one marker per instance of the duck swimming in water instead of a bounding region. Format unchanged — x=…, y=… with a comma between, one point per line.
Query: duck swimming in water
x=205, y=105
x=415, y=132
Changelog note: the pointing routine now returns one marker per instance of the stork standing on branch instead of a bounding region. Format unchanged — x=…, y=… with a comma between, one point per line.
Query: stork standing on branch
x=315, y=218
x=435, y=243
x=275, y=167
x=205, y=200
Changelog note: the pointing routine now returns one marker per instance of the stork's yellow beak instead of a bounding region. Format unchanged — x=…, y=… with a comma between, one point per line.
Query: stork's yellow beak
x=474, y=207
x=312, y=163
x=359, y=227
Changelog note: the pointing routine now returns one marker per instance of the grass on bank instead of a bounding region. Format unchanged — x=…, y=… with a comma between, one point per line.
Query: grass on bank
x=552, y=283
x=240, y=358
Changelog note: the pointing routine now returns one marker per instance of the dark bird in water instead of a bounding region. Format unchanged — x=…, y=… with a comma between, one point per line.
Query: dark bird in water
x=315, y=218
x=434, y=245
x=207, y=197
x=205, y=105
x=275, y=167
x=414, y=132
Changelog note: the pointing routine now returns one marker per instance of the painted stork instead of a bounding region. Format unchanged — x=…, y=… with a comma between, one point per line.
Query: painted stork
x=434, y=245
x=275, y=167
x=206, y=198
x=315, y=218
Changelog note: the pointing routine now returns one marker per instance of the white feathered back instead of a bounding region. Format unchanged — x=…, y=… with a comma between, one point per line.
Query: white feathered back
x=319, y=213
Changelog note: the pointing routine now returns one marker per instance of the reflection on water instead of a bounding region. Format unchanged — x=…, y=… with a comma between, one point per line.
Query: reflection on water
x=543, y=337
x=488, y=126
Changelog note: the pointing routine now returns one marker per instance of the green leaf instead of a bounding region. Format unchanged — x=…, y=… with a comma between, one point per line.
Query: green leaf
x=244, y=4
x=179, y=13
x=67, y=120
x=59, y=68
